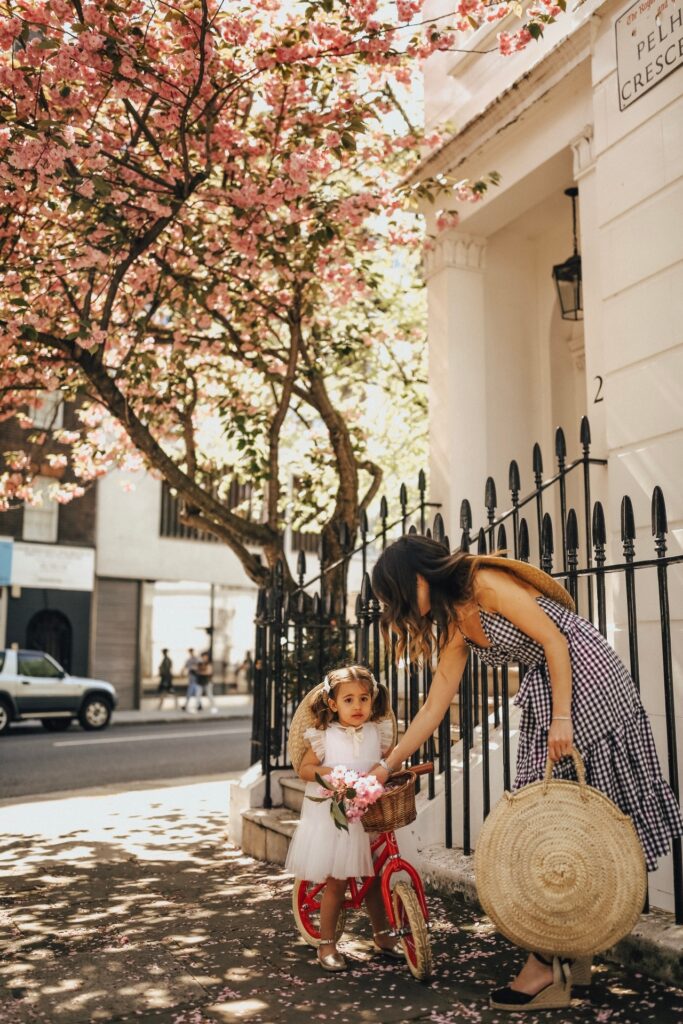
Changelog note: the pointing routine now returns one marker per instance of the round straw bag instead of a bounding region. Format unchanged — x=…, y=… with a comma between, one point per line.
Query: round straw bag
x=303, y=719
x=559, y=868
x=395, y=808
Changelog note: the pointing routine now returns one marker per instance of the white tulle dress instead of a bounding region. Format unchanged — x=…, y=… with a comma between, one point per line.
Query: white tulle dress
x=319, y=849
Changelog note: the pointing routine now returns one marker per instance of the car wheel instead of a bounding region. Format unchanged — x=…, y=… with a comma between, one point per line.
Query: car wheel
x=56, y=724
x=5, y=716
x=95, y=712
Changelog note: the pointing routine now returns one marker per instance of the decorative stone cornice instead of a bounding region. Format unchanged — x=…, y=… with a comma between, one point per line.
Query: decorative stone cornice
x=527, y=91
x=456, y=250
x=582, y=148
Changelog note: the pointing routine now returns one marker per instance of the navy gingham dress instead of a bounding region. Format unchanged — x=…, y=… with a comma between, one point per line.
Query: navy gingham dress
x=611, y=728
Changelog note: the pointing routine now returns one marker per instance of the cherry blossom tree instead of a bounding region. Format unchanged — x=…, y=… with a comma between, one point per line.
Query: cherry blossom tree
x=205, y=241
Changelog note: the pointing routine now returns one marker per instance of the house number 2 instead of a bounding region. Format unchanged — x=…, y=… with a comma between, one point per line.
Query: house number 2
x=598, y=393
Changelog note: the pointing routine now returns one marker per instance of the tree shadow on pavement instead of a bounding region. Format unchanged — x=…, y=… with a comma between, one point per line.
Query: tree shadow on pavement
x=139, y=910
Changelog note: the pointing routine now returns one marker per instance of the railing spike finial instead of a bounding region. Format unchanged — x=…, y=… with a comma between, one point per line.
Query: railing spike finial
x=383, y=508
x=465, y=515
x=364, y=525
x=514, y=480
x=438, y=529
x=301, y=564
x=599, y=530
x=300, y=604
x=628, y=528
x=366, y=589
x=446, y=541
x=560, y=446
x=572, y=531
x=428, y=533
x=628, y=521
x=481, y=542
x=585, y=434
x=422, y=481
x=660, y=524
x=412, y=528
x=537, y=463
x=524, y=547
x=316, y=605
x=403, y=497
x=502, y=540
x=490, y=500
x=279, y=572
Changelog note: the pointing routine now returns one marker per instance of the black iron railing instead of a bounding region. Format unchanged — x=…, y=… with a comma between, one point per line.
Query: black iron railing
x=303, y=632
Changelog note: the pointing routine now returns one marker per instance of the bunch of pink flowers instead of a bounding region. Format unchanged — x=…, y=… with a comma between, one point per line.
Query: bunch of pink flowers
x=350, y=794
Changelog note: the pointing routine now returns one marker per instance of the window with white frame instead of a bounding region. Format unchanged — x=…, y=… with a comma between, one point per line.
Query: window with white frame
x=41, y=519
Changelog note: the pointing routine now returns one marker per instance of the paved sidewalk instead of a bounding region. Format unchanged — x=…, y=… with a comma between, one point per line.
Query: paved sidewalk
x=133, y=907
x=237, y=705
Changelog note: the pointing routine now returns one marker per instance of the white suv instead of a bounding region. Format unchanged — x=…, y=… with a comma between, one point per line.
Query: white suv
x=34, y=685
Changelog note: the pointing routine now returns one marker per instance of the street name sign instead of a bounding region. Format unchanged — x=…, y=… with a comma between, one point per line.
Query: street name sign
x=649, y=46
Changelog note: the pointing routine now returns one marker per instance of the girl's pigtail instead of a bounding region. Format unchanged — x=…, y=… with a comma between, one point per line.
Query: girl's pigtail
x=322, y=713
x=380, y=703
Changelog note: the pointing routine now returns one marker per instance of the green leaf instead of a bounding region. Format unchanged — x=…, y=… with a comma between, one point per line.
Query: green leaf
x=339, y=816
x=320, y=780
x=535, y=31
x=49, y=44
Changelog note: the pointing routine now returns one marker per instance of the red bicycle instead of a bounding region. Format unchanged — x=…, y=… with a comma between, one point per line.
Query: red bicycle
x=404, y=902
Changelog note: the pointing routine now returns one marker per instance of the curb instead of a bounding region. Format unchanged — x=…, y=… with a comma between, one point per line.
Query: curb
x=184, y=719
x=654, y=947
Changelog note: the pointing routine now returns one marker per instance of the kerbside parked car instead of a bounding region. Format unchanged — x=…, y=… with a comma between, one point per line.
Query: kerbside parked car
x=34, y=685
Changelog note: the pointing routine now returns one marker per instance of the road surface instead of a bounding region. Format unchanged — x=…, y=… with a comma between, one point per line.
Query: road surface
x=33, y=761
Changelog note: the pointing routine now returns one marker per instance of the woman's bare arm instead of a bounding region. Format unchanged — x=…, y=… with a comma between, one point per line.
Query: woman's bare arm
x=500, y=592
x=444, y=687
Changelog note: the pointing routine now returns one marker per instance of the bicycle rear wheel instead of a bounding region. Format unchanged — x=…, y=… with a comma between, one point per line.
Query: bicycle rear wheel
x=306, y=897
x=415, y=938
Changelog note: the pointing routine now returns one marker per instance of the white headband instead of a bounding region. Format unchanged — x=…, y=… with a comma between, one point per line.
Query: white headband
x=327, y=685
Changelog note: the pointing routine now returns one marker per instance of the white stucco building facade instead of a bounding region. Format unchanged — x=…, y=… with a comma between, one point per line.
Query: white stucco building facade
x=154, y=591
x=505, y=369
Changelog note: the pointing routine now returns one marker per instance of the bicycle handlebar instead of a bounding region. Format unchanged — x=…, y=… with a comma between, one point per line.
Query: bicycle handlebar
x=421, y=769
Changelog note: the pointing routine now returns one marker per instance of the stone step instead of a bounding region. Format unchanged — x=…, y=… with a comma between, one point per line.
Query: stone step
x=267, y=833
x=293, y=792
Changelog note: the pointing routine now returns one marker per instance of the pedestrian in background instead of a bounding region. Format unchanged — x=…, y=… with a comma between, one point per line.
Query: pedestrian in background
x=166, y=679
x=247, y=667
x=191, y=666
x=205, y=677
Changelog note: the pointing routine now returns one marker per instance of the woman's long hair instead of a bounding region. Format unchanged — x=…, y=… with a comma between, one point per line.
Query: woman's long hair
x=394, y=583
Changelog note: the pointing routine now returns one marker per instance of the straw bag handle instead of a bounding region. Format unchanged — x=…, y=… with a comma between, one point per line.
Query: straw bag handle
x=580, y=772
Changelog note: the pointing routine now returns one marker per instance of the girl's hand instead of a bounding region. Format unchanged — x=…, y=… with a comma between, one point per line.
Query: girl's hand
x=560, y=739
x=381, y=774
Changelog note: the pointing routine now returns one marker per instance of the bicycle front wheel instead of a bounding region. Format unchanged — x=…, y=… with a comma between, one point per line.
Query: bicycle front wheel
x=415, y=934
x=306, y=897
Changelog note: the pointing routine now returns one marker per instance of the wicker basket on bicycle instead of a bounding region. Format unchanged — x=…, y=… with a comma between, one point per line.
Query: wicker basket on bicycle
x=395, y=808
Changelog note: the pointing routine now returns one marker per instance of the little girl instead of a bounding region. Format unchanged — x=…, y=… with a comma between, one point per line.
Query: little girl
x=351, y=731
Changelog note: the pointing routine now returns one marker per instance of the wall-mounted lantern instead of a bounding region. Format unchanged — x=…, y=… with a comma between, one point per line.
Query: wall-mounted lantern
x=567, y=275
